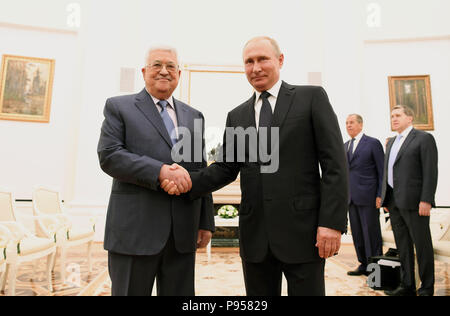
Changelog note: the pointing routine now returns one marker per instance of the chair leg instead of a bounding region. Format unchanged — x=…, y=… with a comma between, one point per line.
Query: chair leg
x=54, y=261
x=50, y=262
x=90, y=256
x=63, y=265
x=12, y=280
x=4, y=278
x=35, y=265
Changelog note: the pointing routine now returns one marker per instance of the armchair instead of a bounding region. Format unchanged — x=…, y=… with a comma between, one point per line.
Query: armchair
x=47, y=202
x=22, y=246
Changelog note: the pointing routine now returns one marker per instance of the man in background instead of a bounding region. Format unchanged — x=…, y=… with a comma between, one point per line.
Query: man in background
x=409, y=187
x=150, y=234
x=365, y=157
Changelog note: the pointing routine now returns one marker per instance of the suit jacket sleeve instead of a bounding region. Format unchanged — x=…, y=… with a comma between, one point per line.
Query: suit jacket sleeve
x=378, y=157
x=331, y=154
x=207, y=212
x=217, y=175
x=116, y=160
x=429, y=157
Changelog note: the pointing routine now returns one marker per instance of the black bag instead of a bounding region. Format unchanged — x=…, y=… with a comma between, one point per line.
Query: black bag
x=384, y=273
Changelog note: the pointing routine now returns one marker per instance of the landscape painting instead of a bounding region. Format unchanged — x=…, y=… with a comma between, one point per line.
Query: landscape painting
x=26, y=88
x=415, y=93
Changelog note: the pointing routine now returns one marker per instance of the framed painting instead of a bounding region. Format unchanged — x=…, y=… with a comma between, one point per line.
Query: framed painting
x=26, y=88
x=415, y=93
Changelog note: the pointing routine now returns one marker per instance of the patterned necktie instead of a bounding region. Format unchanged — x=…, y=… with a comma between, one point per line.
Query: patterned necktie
x=350, y=150
x=168, y=121
x=265, y=120
x=392, y=157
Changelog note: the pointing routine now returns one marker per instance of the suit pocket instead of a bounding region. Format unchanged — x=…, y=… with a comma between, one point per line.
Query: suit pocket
x=367, y=181
x=124, y=208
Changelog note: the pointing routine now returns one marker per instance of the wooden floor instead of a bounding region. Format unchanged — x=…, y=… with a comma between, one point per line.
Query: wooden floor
x=221, y=276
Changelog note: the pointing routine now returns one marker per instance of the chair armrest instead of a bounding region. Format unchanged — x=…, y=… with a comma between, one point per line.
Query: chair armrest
x=5, y=236
x=17, y=231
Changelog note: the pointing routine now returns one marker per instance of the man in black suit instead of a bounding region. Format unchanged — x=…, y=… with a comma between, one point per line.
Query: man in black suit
x=149, y=233
x=291, y=215
x=409, y=186
x=365, y=157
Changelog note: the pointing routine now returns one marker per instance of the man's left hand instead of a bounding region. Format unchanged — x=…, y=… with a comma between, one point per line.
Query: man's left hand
x=328, y=242
x=204, y=236
x=425, y=209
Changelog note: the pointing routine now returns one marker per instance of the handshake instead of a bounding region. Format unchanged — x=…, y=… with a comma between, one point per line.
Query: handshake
x=175, y=180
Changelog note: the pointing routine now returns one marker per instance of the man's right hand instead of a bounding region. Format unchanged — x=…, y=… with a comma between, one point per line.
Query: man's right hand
x=175, y=179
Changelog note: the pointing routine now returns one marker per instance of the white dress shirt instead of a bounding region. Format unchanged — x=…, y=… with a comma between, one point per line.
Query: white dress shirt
x=170, y=110
x=274, y=91
x=355, y=144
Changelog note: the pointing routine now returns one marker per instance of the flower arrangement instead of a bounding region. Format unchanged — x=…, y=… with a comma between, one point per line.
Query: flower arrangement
x=228, y=211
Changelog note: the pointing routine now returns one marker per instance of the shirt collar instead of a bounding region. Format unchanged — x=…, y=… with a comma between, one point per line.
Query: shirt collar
x=359, y=136
x=274, y=91
x=406, y=132
x=155, y=100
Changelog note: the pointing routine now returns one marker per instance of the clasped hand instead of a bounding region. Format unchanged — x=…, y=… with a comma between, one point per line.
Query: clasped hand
x=175, y=180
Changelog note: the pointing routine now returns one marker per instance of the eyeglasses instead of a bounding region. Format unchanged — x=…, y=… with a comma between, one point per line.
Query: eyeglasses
x=157, y=67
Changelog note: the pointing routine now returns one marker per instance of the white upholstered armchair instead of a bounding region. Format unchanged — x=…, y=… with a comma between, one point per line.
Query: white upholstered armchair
x=47, y=202
x=22, y=245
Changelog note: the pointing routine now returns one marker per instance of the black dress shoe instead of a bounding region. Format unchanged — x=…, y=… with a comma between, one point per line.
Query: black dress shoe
x=401, y=291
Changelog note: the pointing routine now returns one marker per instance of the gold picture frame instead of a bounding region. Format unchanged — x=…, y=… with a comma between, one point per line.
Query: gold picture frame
x=415, y=93
x=26, y=88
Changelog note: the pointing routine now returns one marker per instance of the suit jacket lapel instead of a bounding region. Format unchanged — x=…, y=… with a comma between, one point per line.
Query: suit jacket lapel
x=180, y=109
x=407, y=141
x=361, y=144
x=250, y=118
x=284, y=102
x=146, y=105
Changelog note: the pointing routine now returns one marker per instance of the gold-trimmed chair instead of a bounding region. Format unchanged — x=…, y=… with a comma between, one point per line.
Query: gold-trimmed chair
x=47, y=201
x=22, y=245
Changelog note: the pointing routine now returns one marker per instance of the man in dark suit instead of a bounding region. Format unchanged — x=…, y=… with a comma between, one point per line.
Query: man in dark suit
x=291, y=216
x=409, y=186
x=149, y=233
x=365, y=158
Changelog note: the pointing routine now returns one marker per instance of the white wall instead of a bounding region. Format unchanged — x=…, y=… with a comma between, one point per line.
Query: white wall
x=33, y=153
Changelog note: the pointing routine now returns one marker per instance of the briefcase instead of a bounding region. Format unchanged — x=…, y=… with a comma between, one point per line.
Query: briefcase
x=384, y=273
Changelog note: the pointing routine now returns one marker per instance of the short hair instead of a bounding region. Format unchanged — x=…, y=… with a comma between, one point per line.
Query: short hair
x=406, y=109
x=358, y=117
x=163, y=48
x=273, y=42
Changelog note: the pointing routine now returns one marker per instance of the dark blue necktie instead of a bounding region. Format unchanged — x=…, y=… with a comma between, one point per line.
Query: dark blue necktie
x=168, y=121
x=350, y=151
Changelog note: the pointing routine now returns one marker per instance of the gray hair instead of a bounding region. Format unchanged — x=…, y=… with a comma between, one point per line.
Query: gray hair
x=274, y=43
x=358, y=117
x=164, y=48
x=406, y=109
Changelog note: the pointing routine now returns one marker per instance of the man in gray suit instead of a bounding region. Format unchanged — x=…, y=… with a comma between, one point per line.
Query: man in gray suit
x=409, y=186
x=150, y=234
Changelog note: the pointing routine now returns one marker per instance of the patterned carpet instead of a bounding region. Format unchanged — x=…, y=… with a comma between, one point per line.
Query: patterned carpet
x=221, y=276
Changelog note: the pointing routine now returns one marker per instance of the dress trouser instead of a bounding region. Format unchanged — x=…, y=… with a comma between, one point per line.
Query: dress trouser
x=303, y=279
x=135, y=275
x=412, y=230
x=366, y=232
